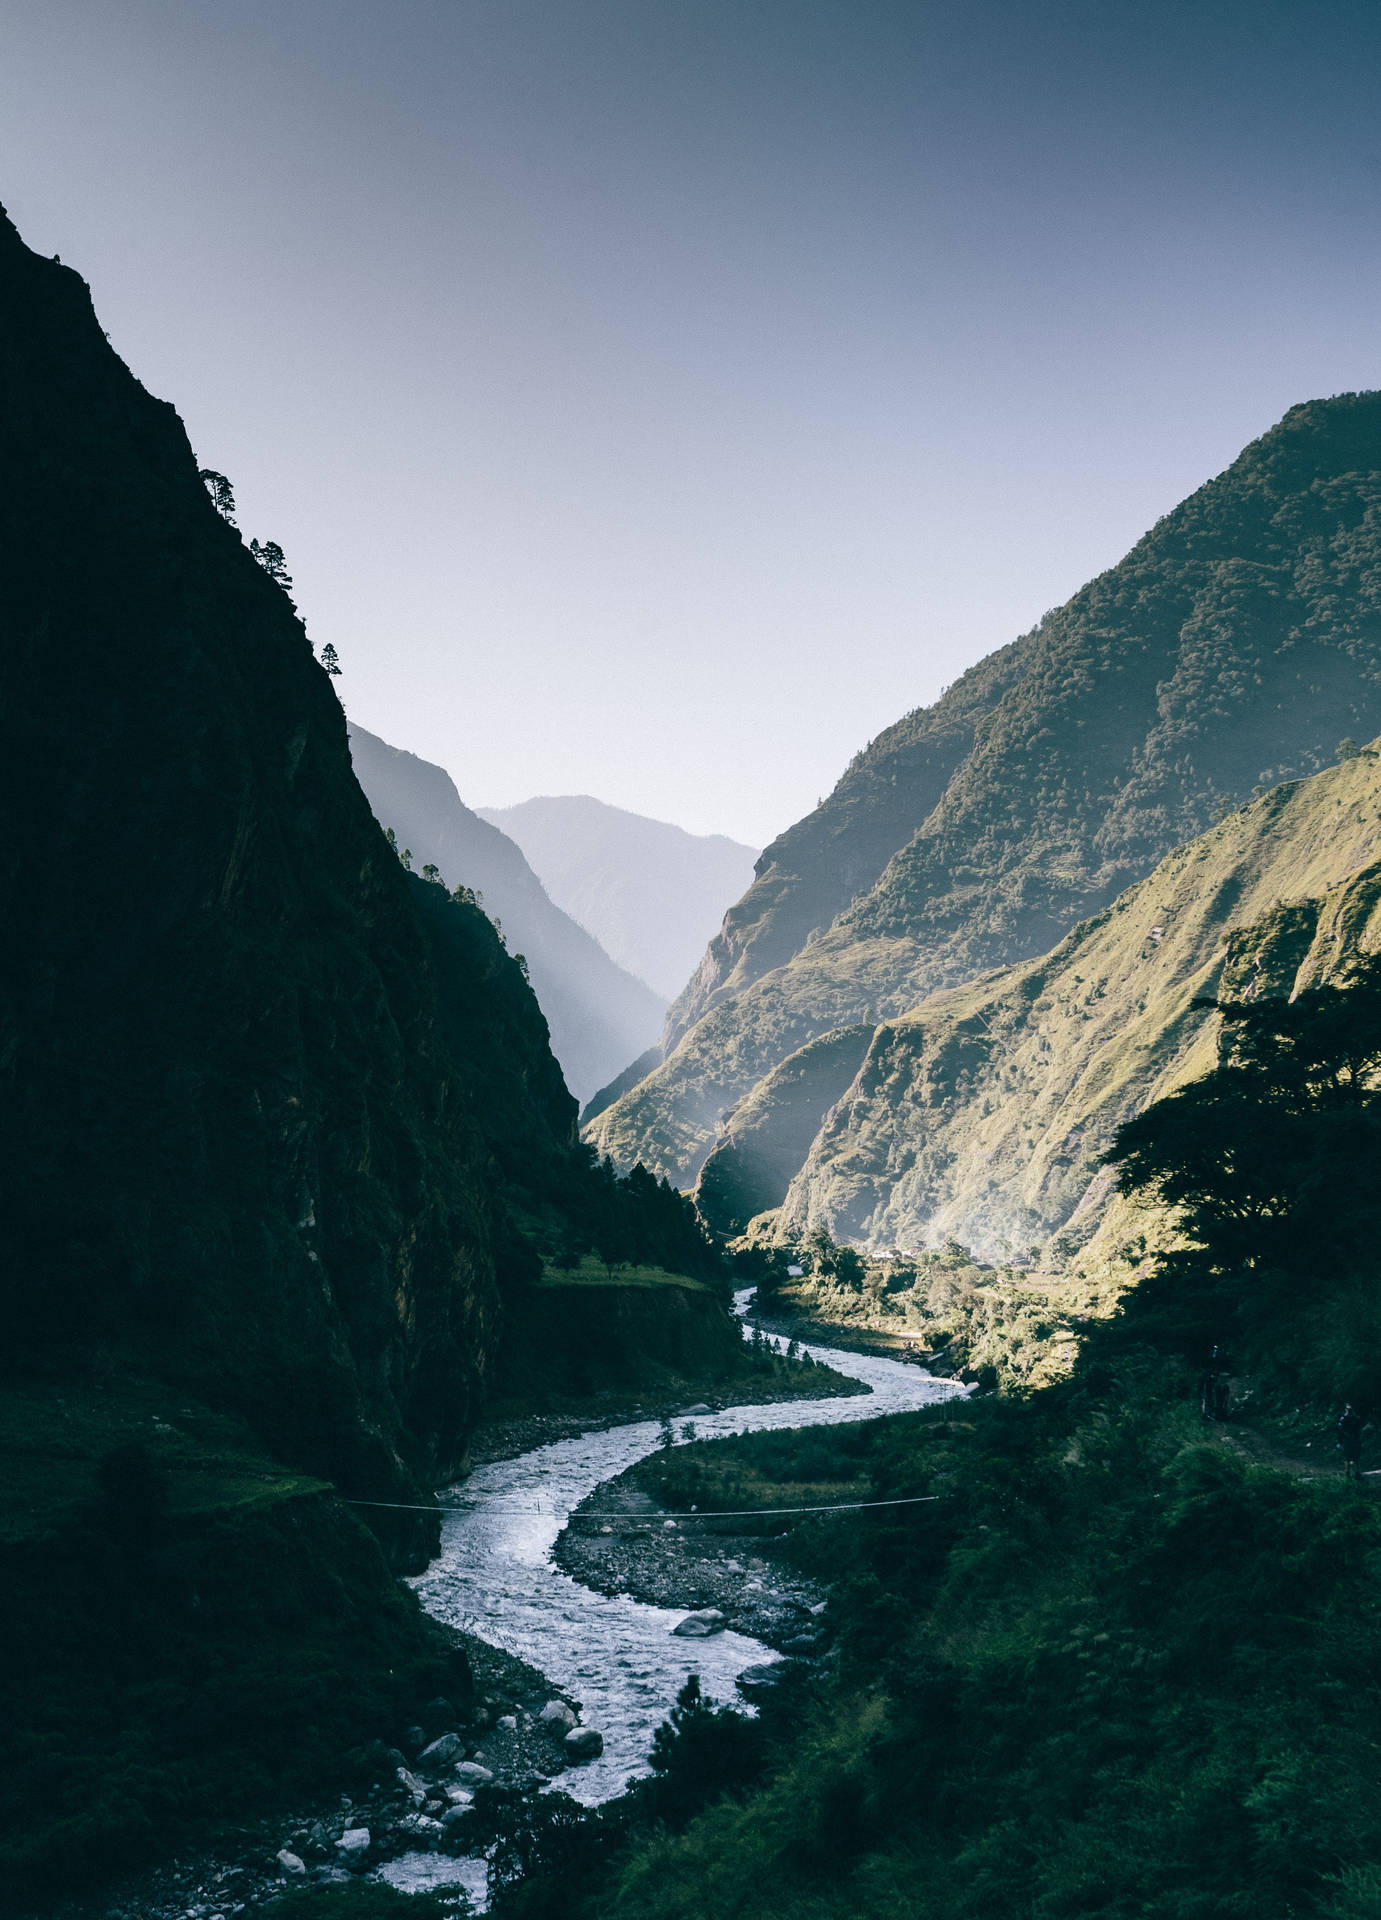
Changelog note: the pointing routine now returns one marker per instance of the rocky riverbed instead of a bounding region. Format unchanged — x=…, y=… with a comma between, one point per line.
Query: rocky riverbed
x=697, y=1565
x=416, y=1795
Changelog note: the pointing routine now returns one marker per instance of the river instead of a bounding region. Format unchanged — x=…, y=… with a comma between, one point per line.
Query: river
x=494, y=1576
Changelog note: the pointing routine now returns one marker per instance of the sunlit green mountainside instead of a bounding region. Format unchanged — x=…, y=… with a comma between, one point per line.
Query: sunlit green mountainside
x=600, y=1016
x=280, y=1123
x=1232, y=648
x=651, y=893
x=983, y=1116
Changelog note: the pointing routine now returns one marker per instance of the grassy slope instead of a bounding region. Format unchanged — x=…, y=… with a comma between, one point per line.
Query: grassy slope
x=1236, y=644
x=982, y=1116
x=190, y=1649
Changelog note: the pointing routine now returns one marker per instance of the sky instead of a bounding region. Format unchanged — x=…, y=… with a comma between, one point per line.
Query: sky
x=657, y=400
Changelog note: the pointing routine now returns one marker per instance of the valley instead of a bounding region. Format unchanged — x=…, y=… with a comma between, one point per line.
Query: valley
x=371, y=1427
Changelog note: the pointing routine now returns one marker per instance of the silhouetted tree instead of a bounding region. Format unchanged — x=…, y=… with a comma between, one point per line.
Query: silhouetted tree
x=221, y=492
x=270, y=557
x=330, y=660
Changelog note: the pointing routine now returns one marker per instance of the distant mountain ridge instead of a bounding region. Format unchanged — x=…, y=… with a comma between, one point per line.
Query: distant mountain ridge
x=651, y=893
x=1231, y=649
x=600, y=1016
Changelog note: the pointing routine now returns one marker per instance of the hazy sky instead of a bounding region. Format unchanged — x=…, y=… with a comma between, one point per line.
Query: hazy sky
x=655, y=400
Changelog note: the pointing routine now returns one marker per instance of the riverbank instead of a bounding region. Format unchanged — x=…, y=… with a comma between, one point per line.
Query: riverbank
x=691, y=1564
x=514, y=1428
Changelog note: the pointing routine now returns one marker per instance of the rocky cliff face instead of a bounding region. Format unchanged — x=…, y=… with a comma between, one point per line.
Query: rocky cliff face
x=599, y=1015
x=983, y=1115
x=247, y=1143
x=1231, y=649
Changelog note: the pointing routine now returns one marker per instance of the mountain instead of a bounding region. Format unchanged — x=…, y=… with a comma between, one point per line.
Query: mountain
x=983, y=1115
x=281, y=1123
x=242, y=1152
x=651, y=893
x=600, y=1016
x=1230, y=650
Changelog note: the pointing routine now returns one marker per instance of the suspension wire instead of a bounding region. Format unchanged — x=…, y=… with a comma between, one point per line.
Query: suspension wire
x=693, y=1513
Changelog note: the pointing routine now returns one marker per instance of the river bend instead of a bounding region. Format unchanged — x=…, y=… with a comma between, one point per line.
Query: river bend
x=495, y=1577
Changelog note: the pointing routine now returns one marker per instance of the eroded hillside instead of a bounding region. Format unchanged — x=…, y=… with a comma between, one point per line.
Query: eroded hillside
x=983, y=1115
x=1232, y=649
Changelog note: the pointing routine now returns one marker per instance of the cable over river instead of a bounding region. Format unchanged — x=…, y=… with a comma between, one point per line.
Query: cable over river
x=495, y=1577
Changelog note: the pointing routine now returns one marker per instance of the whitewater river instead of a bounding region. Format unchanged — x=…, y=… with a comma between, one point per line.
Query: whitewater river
x=495, y=1577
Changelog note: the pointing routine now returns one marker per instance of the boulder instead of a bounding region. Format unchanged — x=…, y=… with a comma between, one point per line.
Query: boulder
x=418, y=1826
x=471, y=1774
x=453, y=1817
x=700, y=1625
x=412, y=1786
x=289, y=1865
x=459, y=1796
x=508, y=1721
x=441, y=1752
x=354, y=1843
x=769, y=1674
x=558, y=1715
x=802, y=1643
x=584, y=1743
x=699, y=1407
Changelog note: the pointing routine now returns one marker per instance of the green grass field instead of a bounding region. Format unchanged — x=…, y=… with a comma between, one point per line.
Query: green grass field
x=52, y=1441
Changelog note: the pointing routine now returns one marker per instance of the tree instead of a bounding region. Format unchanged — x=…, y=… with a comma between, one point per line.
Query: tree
x=702, y=1752
x=221, y=492
x=433, y=873
x=330, y=661
x=1269, y=1163
x=849, y=1269
x=270, y=557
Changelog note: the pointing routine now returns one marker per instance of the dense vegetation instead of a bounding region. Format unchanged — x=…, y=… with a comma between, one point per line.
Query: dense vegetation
x=1232, y=649
x=1116, y=1666
x=997, y=1325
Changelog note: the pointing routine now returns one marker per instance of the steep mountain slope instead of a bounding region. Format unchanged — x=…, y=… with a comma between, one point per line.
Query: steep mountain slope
x=651, y=893
x=1233, y=647
x=600, y=1016
x=244, y=1149
x=983, y=1116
